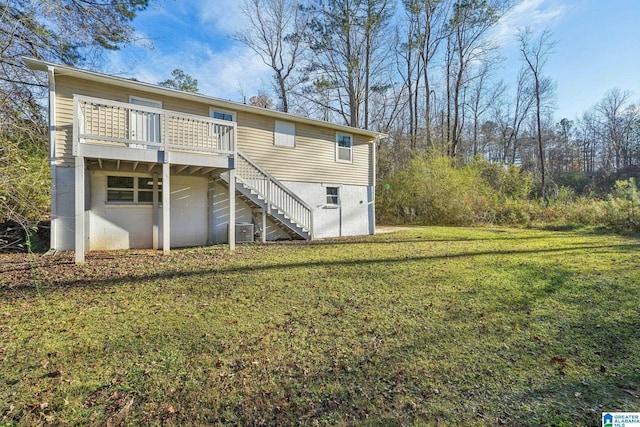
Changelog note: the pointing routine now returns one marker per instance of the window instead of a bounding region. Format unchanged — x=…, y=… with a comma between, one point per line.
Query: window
x=131, y=190
x=120, y=189
x=332, y=196
x=222, y=115
x=145, y=190
x=343, y=147
x=285, y=134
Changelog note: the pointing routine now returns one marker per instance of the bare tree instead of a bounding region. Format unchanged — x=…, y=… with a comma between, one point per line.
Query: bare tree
x=346, y=46
x=535, y=54
x=517, y=111
x=426, y=27
x=588, y=139
x=466, y=46
x=481, y=96
x=276, y=35
x=409, y=64
x=66, y=31
x=617, y=121
x=432, y=30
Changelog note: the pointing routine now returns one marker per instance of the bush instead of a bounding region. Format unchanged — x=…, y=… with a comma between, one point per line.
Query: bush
x=622, y=209
x=431, y=191
x=515, y=212
x=581, y=183
x=507, y=180
x=24, y=187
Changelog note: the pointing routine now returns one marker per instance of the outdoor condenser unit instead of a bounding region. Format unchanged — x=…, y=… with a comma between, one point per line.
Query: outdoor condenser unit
x=244, y=233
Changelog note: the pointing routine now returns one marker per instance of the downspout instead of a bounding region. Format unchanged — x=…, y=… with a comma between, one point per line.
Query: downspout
x=340, y=211
x=372, y=188
x=52, y=160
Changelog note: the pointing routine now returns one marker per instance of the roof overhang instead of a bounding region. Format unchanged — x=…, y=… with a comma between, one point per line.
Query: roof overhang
x=65, y=70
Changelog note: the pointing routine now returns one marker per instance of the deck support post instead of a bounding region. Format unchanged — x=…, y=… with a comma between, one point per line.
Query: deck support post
x=166, y=206
x=232, y=209
x=156, y=214
x=265, y=211
x=53, y=242
x=79, y=209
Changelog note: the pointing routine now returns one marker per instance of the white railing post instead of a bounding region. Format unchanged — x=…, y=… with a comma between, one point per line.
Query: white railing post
x=164, y=135
x=100, y=121
x=268, y=195
x=275, y=195
x=76, y=125
x=265, y=211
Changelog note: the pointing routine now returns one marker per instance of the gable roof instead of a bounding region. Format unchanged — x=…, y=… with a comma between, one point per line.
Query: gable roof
x=66, y=70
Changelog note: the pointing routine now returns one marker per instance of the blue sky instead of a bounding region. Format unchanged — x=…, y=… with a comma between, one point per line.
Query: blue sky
x=598, y=48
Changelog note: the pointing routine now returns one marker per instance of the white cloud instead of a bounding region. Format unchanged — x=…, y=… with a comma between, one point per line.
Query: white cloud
x=229, y=74
x=223, y=67
x=236, y=73
x=221, y=16
x=537, y=14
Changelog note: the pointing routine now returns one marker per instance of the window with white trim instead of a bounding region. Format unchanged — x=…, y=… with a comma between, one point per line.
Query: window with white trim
x=285, y=134
x=222, y=114
x=344, y=147
x=333, y=196
x=131, y=190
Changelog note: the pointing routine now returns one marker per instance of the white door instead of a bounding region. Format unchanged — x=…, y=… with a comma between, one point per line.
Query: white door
x=145, y=126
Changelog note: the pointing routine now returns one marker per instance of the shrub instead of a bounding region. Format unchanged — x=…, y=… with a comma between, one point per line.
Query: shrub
x=24, y=187
x=431, y=191
x=507, y=180
x=580, y=182
x=24, y=180
x=514, y=212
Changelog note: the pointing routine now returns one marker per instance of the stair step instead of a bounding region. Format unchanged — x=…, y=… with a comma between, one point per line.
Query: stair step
x=248, y=192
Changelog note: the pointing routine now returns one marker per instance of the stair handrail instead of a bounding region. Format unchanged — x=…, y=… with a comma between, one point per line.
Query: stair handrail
x=269, y=201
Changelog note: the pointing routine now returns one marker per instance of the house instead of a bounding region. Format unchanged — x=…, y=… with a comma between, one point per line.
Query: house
x=135, y=165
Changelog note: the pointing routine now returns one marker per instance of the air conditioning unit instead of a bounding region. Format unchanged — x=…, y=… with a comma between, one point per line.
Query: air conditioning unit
x=244, y=232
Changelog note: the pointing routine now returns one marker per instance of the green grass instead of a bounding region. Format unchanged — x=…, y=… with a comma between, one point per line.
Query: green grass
x=430, y=326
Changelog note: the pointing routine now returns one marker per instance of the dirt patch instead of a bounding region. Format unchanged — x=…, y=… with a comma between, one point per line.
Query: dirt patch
x=382, y=229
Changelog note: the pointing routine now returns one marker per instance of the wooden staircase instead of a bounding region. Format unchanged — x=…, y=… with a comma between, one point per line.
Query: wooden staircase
x=273, y=197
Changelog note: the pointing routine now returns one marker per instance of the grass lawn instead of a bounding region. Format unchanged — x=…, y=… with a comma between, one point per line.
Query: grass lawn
x=429, y=326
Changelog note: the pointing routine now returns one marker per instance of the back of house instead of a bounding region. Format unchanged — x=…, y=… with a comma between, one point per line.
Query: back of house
x=136, y=165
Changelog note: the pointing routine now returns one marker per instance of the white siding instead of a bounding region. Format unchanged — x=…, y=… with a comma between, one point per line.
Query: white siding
x=120, y=226
x=188, y=211
x=64, y=223
x=244, y=213
x=312, y=160
x=117, y=226
x=350, y=218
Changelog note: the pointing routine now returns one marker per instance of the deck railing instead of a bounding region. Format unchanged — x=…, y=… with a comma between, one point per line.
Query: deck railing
x=275, y=194
x=101, y=121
